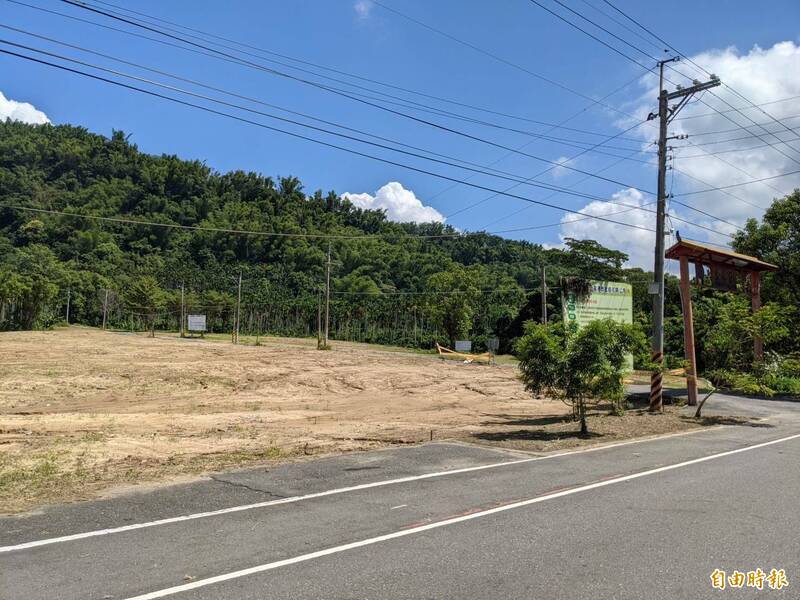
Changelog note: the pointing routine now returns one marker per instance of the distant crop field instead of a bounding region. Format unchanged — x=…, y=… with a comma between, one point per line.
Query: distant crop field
x=85, y=412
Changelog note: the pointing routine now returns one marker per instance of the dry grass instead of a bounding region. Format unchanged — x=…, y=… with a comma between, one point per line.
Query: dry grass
x=83, y=412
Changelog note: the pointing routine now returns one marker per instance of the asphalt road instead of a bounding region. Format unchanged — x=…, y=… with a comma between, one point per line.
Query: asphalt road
x=649, y=519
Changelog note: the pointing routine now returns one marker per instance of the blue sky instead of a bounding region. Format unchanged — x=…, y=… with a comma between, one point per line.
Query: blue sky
x=363, y=38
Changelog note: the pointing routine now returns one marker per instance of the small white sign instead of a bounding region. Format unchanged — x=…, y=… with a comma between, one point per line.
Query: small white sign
x=463, y=345
x=653, y=288
x=196, y=322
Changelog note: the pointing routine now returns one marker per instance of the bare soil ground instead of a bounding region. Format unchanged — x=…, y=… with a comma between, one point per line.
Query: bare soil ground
x=84, y=412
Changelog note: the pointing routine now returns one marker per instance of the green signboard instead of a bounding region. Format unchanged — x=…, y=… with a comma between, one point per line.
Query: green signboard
x=608, y=300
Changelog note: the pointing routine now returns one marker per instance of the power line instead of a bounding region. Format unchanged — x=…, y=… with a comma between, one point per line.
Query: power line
x=360, y=77
x=625, y=27
x=736, y=139
x=524, y=208
x=493, y=56
x=638, y=63
x=406, y=103
x=671, y=68
x=717, y=112
x=344, y=94
x=618, y=52
x=690, y=176
x=717, y=156
x=702, y=69
x=299, y=136
x=704, y=133
x=501, y=175
x=486, y=199
x=350, y=95
x=565, y=141
x=272, y=116
x=733, y=185
x=750, y=102
x=591, y=35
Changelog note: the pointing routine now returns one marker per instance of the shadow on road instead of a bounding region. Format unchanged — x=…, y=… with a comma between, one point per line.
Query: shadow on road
x=503, y=419
x=726, y=420
x=528, y=435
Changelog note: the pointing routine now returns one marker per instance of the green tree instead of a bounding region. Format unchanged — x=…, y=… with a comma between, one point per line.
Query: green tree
x=145, y=297
x=579, y=367
x=451, y=301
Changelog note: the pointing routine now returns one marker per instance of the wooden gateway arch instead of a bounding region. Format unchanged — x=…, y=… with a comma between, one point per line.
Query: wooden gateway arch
x=723, y=270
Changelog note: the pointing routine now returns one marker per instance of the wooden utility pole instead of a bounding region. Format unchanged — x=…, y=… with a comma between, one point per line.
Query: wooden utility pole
x=238, y=310
x=319, y=319
x=665, y=115
x=688, y=332
x=69, y=296
x=544, y=295
x=183, y=314
x=755, y=299
x=105, y=309
x=328, y=295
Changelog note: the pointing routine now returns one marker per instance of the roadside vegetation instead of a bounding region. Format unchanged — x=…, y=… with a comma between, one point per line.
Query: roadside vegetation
x=397, y=289
x=581, y=367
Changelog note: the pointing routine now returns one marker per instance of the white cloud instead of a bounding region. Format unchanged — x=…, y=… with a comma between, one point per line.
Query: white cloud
x=20, y=111
x=762, y=76
x=400, y=204
x=637, y=243
x=559, y=170
x=363, y=8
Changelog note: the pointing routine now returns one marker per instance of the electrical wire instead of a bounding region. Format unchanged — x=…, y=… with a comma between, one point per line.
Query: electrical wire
x=497, y=174
x=702, y=69
x=338, y=92
x=359, y=77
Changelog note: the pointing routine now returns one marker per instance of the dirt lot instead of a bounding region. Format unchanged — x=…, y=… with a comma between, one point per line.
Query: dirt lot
x=85, y=412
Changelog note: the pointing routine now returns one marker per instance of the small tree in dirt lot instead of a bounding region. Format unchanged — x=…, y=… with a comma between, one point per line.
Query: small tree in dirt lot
x=146, y=297
x=452, y=302
x=578, y=367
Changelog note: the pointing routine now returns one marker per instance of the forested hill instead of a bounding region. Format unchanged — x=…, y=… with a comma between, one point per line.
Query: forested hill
x=379, y=267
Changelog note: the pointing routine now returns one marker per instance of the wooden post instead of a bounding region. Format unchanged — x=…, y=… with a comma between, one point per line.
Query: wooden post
x=328, y=295
x=698, y=272
x=238, y=309
x=755, y=299
x=105, y=309
x=183, y=313
x=319, y=320
x=544, y=295
x=688, y=332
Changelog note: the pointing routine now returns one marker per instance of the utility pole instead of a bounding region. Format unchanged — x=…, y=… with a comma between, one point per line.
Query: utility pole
x=183, y=313
x=238, y=310
x=544, y=295
x=105, y=309
x=666, y=114
x=319, y=319
x=328, y=295
x=69, y=296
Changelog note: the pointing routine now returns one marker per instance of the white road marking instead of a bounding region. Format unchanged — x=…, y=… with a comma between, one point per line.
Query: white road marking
x=398, y=506
x=406, y=532
x=331, y=492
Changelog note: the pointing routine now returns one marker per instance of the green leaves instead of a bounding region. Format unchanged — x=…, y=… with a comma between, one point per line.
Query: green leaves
x=578, y=367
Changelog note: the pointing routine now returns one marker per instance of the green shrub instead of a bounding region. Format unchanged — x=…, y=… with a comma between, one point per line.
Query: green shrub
x=783, y=385
x=577, y=366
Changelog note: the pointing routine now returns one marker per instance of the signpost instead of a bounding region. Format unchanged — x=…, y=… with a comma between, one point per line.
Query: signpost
x=607, y=300
x=463, y=345
x=196, y=323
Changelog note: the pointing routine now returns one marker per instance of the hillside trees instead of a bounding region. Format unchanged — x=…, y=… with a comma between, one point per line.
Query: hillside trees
x=389, y=285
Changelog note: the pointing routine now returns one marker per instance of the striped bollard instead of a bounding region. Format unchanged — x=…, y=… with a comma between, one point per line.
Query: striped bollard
x=656, y=385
